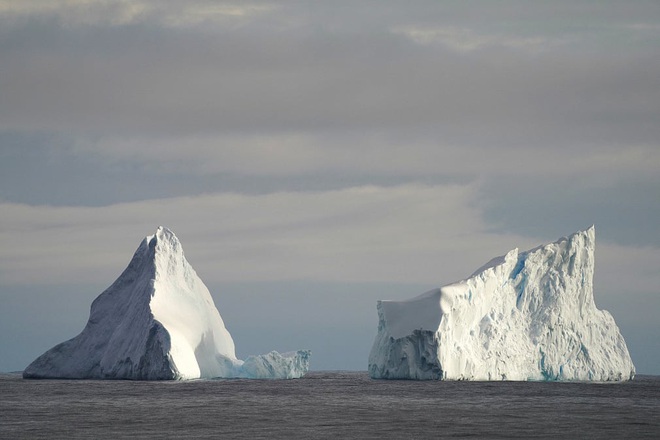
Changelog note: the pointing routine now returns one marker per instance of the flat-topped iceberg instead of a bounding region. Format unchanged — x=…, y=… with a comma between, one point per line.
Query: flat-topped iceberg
x=157, y=321
x=523, y=316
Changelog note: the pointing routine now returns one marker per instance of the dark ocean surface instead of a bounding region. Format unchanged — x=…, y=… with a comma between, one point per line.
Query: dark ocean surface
x=328, y=405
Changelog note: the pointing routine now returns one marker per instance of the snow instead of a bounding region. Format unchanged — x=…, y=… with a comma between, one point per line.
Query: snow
x=522, y=316
x=158, y=321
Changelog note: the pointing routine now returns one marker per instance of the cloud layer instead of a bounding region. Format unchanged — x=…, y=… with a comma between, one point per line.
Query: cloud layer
x=404, y=234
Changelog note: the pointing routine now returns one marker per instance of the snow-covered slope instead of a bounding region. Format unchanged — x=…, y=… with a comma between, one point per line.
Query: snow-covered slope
x=158, y=321
x=522, y=316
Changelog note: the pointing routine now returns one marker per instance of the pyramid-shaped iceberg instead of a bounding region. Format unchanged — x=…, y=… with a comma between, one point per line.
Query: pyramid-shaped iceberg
x=157, y=321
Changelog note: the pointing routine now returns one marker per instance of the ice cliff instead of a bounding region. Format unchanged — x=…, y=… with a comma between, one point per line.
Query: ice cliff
x=523, y=316
x=158, y=321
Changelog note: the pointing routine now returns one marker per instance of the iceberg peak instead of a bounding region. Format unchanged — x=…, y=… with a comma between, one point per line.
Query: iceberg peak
x=164, y=234
x=163, y=243
x=523, y=316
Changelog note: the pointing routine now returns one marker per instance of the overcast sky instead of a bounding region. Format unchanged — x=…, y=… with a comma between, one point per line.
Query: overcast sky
x=314, y=157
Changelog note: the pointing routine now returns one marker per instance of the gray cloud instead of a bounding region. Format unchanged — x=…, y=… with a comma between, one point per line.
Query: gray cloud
x=355, y=234
x=354, y=75
x=120, y=13
x=618, y=203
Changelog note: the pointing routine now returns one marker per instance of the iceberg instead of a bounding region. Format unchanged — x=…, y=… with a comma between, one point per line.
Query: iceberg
x=157, y=321
x=523, y=316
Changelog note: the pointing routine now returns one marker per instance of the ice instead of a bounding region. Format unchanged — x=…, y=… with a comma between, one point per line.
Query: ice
x=522, y=316
x=275, y=365
x=158, y=321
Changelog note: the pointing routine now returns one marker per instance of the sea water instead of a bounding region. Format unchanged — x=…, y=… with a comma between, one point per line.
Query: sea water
x=327, y=405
